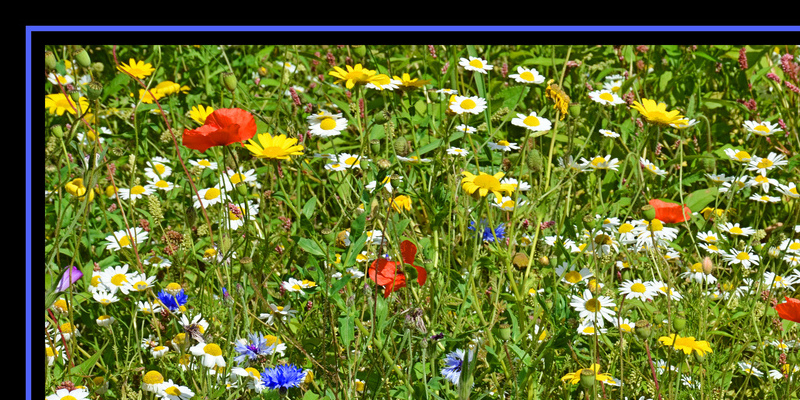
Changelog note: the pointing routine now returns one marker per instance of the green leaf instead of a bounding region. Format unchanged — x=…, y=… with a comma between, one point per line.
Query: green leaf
x=311, y=247
x=309, y=207
x=664, y=79
x=85, y=368
x=346, y=330
x=699, y=199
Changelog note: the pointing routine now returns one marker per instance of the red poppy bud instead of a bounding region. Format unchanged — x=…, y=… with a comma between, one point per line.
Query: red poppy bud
x=224, y=126
x=671, y=212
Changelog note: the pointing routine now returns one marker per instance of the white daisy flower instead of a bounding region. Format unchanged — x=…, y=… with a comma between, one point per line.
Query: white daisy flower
x=594, y=308
x=157, y=168
x=455, y=151
x=761, y=128
x=471, y=105
x=527, y=75
x=475, y=64
x=532, y=122
x=606, y=97
x=503, y=145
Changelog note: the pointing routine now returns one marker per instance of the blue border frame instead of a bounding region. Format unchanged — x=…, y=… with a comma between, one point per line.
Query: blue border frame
x=297, y=28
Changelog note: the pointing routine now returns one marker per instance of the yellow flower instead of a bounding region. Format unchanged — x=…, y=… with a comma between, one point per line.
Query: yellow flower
x=561, y=99
x=58, y=103
x=147, y=96
x=274, y=147
x=400, y=202
x=169, y=87
x=575, y=377
x=406, y=83
x=484, y=183
x=657, y=113
x=200, y=113
x=686, y=344
x=76, y=188
x=137, y=68
x=359, y=75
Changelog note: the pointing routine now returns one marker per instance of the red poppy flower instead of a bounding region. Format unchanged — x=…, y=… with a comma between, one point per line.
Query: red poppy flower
x=789, y=310
x=670, y=212
x=223, y=127
x=384, y=272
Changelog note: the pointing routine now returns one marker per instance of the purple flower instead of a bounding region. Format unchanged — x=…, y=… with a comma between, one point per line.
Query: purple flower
x=71, y=275
x=283, y=377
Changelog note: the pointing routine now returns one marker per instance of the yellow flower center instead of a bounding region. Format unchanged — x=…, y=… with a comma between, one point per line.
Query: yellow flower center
x=794, y=246
x=49, y=351
x=625, y=228
x=764, y=163
x=68, y=397
x=743, y=256
x=204, y=163
x=212, y=349
x=761, y=179
x=531, y=121
x=503, y=143
x=598, y=160
x=172, y=391
x=272, y=340
x=527, y=75
x=138, y=189
x=573, y=277
x=638, y=287
x=697, y=267
x=606, y=96
x=160, y=169
x=742, y=155
x=232, y=216
x=468, y=104
x=273, y=152
x=162, y=184
x=761, y=128
x=592, y=305
x=615, y=88
x=327, y=124
x=736, y=230
x=66, y=328
x=61, y=304
x=237, y=178
x=254, y=371
x=140, y=286
x=351, y=160
x=656, y=225
x=476, y=64
x=124, y=241
x=117, y=279
x=211, y=194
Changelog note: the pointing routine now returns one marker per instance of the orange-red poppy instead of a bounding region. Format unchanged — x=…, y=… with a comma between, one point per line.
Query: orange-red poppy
x=671, y=212
x=789, y=310
x=222, y=127
x=385, y=273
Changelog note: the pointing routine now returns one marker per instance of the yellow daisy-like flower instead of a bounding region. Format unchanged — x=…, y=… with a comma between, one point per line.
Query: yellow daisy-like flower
x=359, y=75
x=657, y=113
x=686, y=344
x=58, y=103
x=169, y=87
x=575, y=377
x=137, y=68
x=274, y=147
x=200, y=113
x=406, y=83
x=147, y=96
x=76, y=188
x=401, y=202
x=484, y=183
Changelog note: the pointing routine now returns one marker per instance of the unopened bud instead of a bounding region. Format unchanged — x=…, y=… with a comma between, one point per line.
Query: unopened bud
x=242, y=189
x=82, y=57
x=56, y=129
x=328, y=235
x=534, y=160
x=384, y=163
x=360, y=50
x=679, y=324
x=708, y=266
x=648, y=212
x=49, y=60
x=382, y=117
x=229, y=81
x=401, y=146
x=375, y=146
x=98, y=67
x=544, y=260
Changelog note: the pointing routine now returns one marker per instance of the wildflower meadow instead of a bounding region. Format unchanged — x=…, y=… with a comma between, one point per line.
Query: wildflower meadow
x=421, y=222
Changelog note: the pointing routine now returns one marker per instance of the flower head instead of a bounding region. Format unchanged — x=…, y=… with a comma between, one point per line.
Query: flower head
x=453, y=364
x=59, y=103
x=484, y=183
x=657, y=113
x=222, y=127
x=283, y=377
x=475, y=64
x=139, y=69
x=525, y=75
x=359, y=75
x=789, y=310
x=686, y=344
x=574, y=377
x=274, y=147
x=385, y=273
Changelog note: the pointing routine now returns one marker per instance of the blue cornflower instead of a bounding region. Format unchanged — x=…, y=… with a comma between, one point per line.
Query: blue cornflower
x=452, y=369
x=251, y=349
x=173, y=301
x=487, y=232
x=283, y=377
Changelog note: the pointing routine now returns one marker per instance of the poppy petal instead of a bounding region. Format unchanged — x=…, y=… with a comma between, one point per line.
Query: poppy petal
x=790, y=310
x=408, y=251
x=670, y=212
x=422, y=275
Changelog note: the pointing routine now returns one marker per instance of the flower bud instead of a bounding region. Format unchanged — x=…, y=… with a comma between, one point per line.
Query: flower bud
x=643, y=329
x=534, y=160
x=242, y=189
x=82, y=57
x=384, y=163
x=382, y=117
x=360, y=50
x=98, y=67
x=75, y=96
x=699, y=357
x=648, y=212
x=679, y=323
x=375, y=146
x=401, y=146
x=328, y=235
x=229, y=81
x=708, y=266
x=575, y=110
x=49, y=60
x=544, y=260
x=94, y=90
